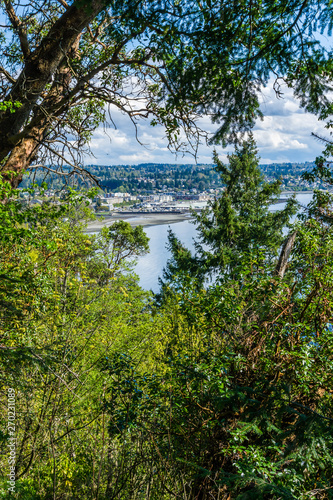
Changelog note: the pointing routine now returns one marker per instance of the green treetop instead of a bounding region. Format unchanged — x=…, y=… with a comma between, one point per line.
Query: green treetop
x=236, y=224
x=240, y=222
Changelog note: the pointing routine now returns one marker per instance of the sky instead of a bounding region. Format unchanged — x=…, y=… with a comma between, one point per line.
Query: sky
x=283, y=136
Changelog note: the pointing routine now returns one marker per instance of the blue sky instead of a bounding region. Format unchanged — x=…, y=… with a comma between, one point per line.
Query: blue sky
x=283, y=136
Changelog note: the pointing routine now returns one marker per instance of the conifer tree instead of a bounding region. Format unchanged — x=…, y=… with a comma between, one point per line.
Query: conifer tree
x=237, y=223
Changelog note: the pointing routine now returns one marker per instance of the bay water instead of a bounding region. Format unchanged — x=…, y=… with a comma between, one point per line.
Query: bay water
x=150, y=267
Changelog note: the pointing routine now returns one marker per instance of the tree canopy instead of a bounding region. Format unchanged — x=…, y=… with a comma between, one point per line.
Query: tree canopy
x=63, y=63
x=218, y=392
x=236, y=226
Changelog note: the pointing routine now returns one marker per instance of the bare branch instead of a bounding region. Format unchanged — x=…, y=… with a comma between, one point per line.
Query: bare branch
x=63, y=3
x=299, y=405
x=321, y=138
x=285, y=254
x=7, y=75
x=19, y=28
x=77, y=169
x=319, y=491
x=94, y=38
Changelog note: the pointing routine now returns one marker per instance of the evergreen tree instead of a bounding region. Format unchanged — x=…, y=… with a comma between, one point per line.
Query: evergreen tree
x=236, y=224
x=240, y=221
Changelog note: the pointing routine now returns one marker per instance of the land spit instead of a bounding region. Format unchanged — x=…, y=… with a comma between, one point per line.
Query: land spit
x=138, y=219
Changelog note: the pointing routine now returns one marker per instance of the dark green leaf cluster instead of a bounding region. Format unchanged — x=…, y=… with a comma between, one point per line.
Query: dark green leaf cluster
x=239, y=222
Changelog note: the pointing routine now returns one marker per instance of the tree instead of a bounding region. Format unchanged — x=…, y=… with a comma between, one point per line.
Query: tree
x=118, y=244
x=237, y=225
x=63, y=63
x=63, y=308
x=240, y=222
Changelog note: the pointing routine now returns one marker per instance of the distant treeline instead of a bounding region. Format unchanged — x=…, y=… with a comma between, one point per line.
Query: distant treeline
x=146, y=178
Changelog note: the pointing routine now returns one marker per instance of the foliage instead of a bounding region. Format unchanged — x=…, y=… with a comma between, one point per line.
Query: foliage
x=249, y=412
x=246, y=412
x=168, y=61
x=237, y=223
x=223, y=392
x=9, y=105
x=65, y=304
x=220, y=392
x=240, y=220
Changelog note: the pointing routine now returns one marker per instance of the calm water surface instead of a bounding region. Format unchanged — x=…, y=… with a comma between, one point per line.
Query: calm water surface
x=150, y=267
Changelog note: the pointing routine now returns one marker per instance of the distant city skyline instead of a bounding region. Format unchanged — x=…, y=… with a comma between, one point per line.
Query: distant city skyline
x=283, y=136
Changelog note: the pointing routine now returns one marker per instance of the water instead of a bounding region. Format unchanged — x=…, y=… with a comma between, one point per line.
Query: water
x=150, y=266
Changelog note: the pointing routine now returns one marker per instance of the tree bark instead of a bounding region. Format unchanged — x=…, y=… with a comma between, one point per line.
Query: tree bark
x=285, y=254
x=20, y=159
x=40, y=66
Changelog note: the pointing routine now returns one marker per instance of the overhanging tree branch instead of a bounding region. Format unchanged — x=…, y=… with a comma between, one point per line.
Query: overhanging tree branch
x=179, y=57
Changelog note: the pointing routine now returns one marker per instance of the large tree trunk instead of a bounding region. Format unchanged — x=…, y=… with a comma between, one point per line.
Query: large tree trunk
x=20, y=158
x=40, y=67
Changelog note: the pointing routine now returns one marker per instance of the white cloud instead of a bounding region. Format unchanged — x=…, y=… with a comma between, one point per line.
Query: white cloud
x=283, y=136
x=278, y=141
x=135, y=158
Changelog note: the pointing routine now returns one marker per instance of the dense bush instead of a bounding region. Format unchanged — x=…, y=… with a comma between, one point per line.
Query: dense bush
x=219, y=392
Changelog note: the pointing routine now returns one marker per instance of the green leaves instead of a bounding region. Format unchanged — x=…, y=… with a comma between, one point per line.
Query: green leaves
x=236, y=228
x=63, y=308
x=9, y=105
x=168, y=61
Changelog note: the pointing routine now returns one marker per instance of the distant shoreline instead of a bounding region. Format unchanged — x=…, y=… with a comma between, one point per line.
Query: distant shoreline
x=139, y=219
x=148, y=219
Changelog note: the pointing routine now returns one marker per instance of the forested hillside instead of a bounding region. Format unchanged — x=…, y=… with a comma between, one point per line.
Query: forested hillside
x=153, y=178
x=219, y=387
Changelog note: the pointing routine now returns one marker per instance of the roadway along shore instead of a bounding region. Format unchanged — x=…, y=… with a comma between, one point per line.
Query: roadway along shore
x=138, y=219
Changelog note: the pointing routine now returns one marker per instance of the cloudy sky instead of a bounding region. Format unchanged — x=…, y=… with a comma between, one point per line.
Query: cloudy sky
x=283, y=136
